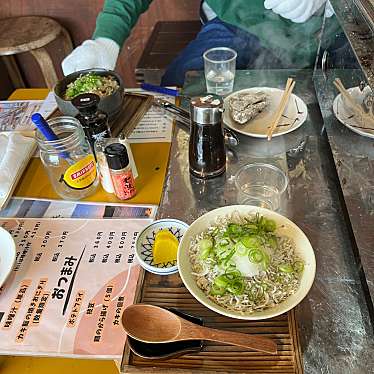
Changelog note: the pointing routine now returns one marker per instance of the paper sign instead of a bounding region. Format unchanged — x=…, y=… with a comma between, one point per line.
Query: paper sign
x=16, y=115
x=155, y=126
x=31, y=208
x=71, y=281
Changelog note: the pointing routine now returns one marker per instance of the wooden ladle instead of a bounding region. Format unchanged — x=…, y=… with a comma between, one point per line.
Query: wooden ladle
x=152, y=324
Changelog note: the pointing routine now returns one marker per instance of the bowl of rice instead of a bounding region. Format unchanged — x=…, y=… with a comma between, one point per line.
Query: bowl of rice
x=246, y=262
x=107, y=84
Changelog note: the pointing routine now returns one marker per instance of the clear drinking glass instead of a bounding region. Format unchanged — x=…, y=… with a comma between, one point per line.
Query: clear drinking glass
x=261, y=185
x=219, y=66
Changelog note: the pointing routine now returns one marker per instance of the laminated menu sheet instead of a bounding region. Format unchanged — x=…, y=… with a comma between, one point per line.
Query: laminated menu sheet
x=43, y=208
x=155, y=126
x=16, y=115
x=71, y=281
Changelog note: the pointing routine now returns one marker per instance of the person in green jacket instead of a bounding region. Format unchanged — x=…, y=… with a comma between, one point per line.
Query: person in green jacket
x=265, y=34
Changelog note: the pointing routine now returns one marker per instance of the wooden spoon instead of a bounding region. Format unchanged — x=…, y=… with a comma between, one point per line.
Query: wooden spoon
x=152, y=324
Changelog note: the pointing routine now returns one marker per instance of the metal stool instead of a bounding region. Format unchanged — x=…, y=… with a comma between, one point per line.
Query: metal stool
x=31, y=34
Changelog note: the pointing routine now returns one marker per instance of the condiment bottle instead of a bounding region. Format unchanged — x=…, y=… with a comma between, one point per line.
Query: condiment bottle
x=93, y=120
x=120, y=171
x=207, y=156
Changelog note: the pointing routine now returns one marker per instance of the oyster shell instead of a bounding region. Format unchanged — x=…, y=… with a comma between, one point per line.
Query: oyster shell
x=245, y=106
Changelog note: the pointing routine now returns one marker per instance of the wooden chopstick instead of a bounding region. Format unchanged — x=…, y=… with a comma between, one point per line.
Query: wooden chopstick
x=355, y=107
x=282, y=106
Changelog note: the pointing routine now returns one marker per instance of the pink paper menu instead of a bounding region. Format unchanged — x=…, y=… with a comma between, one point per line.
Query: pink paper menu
x=71, y=281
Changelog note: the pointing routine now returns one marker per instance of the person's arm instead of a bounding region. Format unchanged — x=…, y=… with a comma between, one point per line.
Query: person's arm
x=113, y=26
x=117, y=19
x=295, y=44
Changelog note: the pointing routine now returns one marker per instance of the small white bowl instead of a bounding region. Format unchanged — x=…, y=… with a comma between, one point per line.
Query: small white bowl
x=146, y=240
x=7, y=255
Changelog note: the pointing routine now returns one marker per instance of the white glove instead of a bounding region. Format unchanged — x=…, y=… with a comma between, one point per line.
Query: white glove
x=297, y=11
x=98, y=53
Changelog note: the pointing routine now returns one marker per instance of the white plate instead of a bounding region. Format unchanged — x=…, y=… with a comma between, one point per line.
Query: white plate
x=285, y=227
x=7, y=255
x=293, y=117
x=347, y=118
x=145, y=242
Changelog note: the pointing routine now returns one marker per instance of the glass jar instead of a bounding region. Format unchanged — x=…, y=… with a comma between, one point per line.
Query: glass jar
x=69, y=161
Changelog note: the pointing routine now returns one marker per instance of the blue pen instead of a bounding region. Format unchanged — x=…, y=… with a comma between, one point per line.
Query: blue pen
x=48, y=133
x=159, y=89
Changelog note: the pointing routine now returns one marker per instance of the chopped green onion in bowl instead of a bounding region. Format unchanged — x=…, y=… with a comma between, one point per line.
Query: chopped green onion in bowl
x=247, y=266
x=101, y=85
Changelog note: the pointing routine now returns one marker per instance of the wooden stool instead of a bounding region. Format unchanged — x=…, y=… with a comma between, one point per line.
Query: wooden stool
x=167, y=40
x=31, y=34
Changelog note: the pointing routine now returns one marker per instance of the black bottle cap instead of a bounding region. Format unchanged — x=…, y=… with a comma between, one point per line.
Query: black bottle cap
x=86, y=103
x=116, y=155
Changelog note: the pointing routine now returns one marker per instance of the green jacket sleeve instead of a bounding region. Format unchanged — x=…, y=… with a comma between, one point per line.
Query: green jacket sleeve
x=118, y=17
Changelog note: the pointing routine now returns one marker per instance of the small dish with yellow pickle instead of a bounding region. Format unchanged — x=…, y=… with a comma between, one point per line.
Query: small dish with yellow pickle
x=157, y=246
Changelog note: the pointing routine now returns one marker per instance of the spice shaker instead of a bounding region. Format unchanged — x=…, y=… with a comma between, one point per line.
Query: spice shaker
x=120, y=171
x=207, y=156
x=93, y=120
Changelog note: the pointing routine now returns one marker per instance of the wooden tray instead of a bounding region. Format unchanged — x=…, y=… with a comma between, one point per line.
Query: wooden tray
x=168, y=291
x=135, y=106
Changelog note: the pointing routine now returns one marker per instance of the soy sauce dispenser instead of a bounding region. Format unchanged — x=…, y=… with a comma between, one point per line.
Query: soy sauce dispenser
x=207, y=156
x=93, y=120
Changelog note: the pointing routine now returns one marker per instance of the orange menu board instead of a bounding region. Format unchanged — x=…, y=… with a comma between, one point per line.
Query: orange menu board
x=70, y=283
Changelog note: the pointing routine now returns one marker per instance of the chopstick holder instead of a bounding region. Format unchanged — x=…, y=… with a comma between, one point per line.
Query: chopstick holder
x=282, y=106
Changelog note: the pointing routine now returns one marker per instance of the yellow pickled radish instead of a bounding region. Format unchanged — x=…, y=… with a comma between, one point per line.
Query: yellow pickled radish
x=165, y=247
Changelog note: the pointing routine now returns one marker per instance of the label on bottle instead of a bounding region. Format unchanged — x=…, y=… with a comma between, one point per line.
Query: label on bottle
x=124, y=185
x=101, y=135
x=82, y=174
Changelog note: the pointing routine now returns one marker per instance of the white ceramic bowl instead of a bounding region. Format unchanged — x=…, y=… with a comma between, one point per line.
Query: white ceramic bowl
x=145, y=242
x=284, y=227
x=7, y=255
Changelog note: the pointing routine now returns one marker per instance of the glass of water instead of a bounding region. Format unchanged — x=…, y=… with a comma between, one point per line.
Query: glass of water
x=261, y=185
x=219, y=66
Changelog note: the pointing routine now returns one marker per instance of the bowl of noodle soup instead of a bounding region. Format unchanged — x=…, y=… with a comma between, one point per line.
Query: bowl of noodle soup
x=246, y=262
